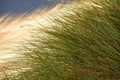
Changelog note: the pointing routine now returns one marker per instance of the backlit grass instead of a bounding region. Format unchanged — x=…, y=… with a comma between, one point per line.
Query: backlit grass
x=81, y=43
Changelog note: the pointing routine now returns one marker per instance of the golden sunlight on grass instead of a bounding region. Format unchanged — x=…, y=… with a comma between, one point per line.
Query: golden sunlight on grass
x=15, y=31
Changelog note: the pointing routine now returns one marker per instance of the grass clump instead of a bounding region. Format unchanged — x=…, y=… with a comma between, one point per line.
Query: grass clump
x=82, y=43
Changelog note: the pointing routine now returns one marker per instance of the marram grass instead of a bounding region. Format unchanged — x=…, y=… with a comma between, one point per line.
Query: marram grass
x=82, y=43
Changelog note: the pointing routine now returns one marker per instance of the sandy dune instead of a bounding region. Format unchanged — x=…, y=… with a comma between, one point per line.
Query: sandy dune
x=9, y=32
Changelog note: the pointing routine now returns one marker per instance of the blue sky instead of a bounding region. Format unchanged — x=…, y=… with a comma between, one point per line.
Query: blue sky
x=21, y=6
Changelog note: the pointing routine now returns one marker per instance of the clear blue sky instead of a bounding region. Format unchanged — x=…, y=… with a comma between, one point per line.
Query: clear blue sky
x=21, y=6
